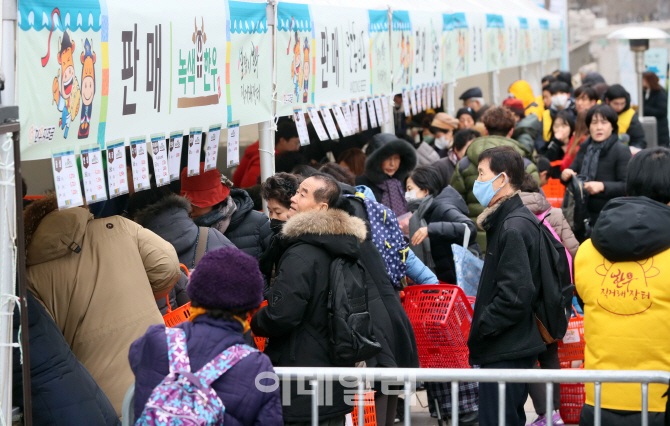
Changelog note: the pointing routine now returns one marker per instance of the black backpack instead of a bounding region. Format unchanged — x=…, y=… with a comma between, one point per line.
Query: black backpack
x=574, y=209
x=350, y=325
x=554, y=302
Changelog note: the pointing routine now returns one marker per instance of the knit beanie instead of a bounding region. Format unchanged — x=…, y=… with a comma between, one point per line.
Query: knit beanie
x=226, y=279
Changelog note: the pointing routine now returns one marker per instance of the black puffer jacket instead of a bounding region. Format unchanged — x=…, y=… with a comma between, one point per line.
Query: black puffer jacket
x=381, y=147
x=656, y=105
x=63, y=391
x=503, y=324
x=249, y=229
x=612, y=171
x=446, y=218
x=391, y=324
x=169, y=219
x=296, y=319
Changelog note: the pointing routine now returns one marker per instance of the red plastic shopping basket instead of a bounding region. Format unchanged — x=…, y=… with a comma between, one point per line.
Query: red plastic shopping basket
x=182, y=313
x=571, y=347
x=370, y=412
x=260, y=341
x=572, y=400
x=554, y=191
x=441, y=316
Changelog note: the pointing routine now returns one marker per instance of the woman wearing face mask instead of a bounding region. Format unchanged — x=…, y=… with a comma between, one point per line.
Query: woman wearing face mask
x=277, y=191
x=439, y=220
x=389, y=161
x=443, y=127
x=601, y=161
x=560, y=101
x=562, y=131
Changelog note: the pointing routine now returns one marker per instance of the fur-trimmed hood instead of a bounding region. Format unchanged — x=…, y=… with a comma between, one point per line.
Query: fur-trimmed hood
x=149, y=213
x=381, y=147
x=333, y=230
x=59, y=230
x=482, y=219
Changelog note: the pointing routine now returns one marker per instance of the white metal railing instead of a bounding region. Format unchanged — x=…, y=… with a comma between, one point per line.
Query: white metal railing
x=409, y=377
x=317, y=377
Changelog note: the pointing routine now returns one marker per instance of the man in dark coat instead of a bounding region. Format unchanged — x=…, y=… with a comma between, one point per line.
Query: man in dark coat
x=504, y=333
x=166, y=214
x=296, y=318
x=228, y=210
x=63, y=391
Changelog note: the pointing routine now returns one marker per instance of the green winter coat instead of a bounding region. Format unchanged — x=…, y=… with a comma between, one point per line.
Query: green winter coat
x=526, y=131
x=466, y=173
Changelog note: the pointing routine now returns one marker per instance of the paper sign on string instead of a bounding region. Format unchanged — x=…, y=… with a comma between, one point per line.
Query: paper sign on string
x=433, y=93
x=419, y=99
x=440, y=94
x=424, y=95
x=117, y=176
x=212, y=148
x=66, y=179
x=412, y=97
x=317, y=123
x=347, y=116
x=94, y=176
x=371, y=113
x=159, y=155
x=140, y=163
x=385, y=108
x=330, y=124
x=233, y=154
x=354, y=116
x=341, y=121
x=405, y=102
x=194, y=147
x=176, y=139
x=378, y=110
x=364, y=114
x=301, y=124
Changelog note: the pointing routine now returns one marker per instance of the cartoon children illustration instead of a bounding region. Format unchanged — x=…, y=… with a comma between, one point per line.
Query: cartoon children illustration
x=66, y=93
x=305, y=71
x=87, y=89
x=296, y=67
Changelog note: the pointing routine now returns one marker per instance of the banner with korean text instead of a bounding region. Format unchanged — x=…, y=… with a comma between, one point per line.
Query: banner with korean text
x=92, y=71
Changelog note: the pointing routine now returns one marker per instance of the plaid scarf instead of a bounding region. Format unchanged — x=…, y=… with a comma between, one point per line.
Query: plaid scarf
x=393, y=196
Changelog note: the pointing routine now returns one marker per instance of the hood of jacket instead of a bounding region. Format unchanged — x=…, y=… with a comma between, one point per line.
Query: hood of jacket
x=480, y=145
x=51, y=234
x=632, y=229
x=169, y=218
x=244, y=205
x=617, y=91
x=451, y=198
x=381, y=147
x=522, y=91
x=535, y=202
x=332, y=230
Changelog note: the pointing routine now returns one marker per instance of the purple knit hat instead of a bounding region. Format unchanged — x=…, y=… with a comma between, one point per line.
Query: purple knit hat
x=227, y=279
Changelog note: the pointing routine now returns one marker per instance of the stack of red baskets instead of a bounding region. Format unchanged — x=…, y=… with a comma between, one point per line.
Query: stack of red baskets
x=441, y=316
x=370, y=414
x=571, y=348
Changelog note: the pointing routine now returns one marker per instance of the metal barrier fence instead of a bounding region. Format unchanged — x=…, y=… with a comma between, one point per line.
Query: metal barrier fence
x=409, y=376
x=316, y=376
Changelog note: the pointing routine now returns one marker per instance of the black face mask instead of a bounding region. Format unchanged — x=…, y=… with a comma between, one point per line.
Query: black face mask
x=276, y=225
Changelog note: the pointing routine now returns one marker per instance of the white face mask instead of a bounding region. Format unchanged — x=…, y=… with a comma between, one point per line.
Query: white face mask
x=442, y=143
x=410, y=195
x=559, y=101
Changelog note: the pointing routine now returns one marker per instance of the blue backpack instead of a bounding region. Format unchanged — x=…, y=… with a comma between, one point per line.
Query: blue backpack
x=387, y=237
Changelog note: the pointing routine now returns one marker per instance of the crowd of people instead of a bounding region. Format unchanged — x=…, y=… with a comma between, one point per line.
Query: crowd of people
x=376, y=212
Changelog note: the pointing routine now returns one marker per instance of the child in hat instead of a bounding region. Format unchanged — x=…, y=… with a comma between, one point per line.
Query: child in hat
x=225, y=286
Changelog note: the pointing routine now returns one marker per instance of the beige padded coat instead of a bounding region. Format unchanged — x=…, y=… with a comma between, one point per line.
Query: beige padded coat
x=97, y=278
